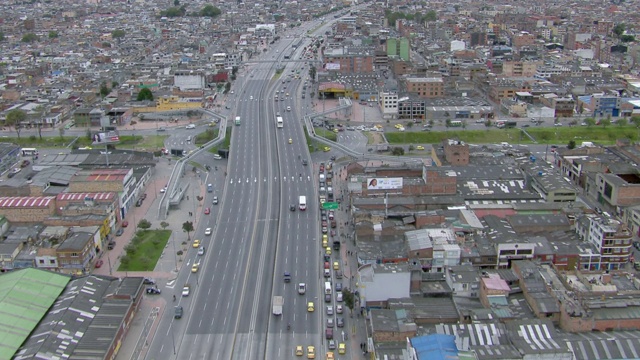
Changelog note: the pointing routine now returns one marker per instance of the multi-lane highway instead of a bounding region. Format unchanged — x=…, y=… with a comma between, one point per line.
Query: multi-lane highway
x=256, y=238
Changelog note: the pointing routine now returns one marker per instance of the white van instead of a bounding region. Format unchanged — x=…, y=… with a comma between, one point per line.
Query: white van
x=303, y=203
x=327, y=288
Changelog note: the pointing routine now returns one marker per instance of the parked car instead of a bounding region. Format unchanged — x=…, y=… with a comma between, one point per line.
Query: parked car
x=119, y=232
x=25, y=163
x=111, y=245
x=99, y=263
x=149, y=281
x=153, y=291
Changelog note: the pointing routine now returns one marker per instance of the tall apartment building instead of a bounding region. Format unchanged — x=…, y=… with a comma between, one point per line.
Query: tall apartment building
x=524, y=68
x=612, y=239
x=350, y=60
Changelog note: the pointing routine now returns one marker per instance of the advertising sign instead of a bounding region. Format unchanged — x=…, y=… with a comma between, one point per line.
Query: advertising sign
x=106, y=137
x=384, y=183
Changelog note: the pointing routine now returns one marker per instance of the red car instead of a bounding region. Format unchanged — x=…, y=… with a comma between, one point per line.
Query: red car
x=99, y=263
x=326, y=265
x=125, y=224
x=207, y=211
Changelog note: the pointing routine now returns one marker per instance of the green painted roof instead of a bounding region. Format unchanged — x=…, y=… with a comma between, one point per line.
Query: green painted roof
x=25, y=297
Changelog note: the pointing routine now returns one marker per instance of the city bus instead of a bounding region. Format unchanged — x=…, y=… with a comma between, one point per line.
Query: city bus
x=29, y=152
x=455, y=123
x=279, y=122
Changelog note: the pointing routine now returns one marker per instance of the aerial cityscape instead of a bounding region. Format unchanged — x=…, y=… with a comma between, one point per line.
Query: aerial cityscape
x=385, y=180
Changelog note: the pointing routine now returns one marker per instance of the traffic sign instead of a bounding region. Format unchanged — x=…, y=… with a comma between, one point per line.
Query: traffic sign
x=330, y=205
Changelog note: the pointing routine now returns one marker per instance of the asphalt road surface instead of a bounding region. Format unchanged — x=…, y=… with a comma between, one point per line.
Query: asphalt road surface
x=228, y=314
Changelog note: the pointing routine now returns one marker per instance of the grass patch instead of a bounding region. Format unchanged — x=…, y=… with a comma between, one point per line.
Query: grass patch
x=551, y=135
x=206, y=136
x=329, y=135
x=145, y=249
x=226, y=143
x=152, y=142
x=79, y=141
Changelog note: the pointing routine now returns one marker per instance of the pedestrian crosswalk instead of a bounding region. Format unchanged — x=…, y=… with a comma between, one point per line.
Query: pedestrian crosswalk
x=289, y=179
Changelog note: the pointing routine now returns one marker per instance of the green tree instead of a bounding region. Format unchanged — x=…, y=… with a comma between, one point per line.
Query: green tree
x=635, y=120
x=348, y=298
x=145, y=94
x=104, y=90
x=114, y=84
x=61, y=132
x=29, y=38
x=619, y=29
x=53, y=34
x=15, y=119
x=210, y=11
x=187, y=227
x=627, y=38
x=144, y=224
x=176, y=3
x=397, y=151
x=622, y=122
x=164, y=225
x=227, y=87
x=605, y=122
x=430, y=16
x=118, y=34
x=488, y=124
x=590, y=121
x=571, y=144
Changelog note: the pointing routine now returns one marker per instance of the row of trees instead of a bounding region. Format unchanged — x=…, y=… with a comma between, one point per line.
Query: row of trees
x=179, y=11
x=421, y=18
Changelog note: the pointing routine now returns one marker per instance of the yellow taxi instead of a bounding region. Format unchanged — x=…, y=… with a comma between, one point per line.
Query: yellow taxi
x=195, y=267
x=336, y=130
x=310, y=306
x=311, y=352
x=328, y=251
x=325, y=243
x=326, y=149
x=196, y=243
x=336, y=266
x=398, y=126
x=325, y=237
x=420, y=147
x=342, y=348
x=378, y=126
x=290, y=141
x=329, y=356
x=299, y=350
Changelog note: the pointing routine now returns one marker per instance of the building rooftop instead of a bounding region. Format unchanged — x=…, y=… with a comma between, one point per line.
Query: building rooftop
x=27, y=296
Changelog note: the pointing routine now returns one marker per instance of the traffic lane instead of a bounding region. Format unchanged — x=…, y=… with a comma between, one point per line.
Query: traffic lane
x=299, y=257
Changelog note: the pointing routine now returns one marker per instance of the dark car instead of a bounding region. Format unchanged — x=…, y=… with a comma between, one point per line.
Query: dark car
x=340, y=322
x=25, y=163
x=148, y=281
x=327, y=298
x=304, y=162
x=119, y=232
x=144, y=196
x=287, y=277
x=292, y=207
x=178, y=313
x=153, y=291
x=111, y=245
x=339, y=286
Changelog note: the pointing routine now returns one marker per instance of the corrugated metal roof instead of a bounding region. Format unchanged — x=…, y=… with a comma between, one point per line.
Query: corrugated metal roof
x=25, y=201
x=82, y=196
x=435, y=347
x=27, y=296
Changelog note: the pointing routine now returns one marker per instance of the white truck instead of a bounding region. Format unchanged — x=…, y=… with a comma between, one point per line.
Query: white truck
x=278, y=303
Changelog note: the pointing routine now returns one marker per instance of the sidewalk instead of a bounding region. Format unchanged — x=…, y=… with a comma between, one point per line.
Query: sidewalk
x=152, y=308
x=356, y=323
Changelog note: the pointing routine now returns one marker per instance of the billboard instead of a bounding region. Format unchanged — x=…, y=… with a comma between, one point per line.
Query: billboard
x=105, y=138
x=384, y=183
x=332, y=66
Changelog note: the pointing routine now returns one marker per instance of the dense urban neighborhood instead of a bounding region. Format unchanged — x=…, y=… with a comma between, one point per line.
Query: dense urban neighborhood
x=331, y=180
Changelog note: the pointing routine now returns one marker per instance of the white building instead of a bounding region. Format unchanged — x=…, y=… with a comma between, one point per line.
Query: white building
x=388, y=105
x=189, y=80
x=377, y=283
